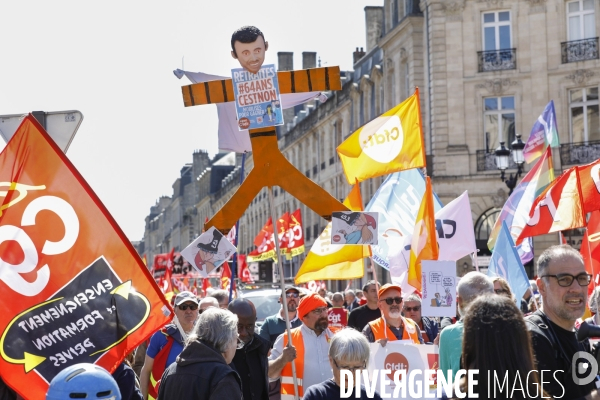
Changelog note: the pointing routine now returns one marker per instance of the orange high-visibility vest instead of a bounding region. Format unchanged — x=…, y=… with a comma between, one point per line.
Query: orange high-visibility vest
x=287, y=378
x=382, y=331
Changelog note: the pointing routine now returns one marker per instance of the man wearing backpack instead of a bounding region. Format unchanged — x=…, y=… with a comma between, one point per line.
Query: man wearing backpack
x=563, y=283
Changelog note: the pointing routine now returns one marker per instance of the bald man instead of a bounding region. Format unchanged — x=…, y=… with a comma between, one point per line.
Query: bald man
x=251, y=360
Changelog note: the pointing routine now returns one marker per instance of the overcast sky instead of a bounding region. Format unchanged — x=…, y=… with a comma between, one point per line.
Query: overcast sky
x=113, y=61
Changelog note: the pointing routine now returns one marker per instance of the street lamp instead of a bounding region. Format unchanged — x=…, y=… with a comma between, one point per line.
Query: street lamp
x=502, y=159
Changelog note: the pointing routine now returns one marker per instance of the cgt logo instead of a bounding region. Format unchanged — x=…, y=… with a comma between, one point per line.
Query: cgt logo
x=382, y=138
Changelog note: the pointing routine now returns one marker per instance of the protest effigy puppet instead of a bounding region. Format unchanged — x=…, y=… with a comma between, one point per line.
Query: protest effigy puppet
x=271, y=168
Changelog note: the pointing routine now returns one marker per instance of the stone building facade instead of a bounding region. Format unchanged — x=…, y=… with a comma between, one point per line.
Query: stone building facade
x=485, y=69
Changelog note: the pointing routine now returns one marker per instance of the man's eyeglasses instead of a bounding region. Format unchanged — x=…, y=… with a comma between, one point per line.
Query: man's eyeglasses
x=292, y=295
x=390, y=300
x=411, y=309
x=502, y=291
x=351, y=369
x=184, y=307
x=566, y=280
x=318, y=311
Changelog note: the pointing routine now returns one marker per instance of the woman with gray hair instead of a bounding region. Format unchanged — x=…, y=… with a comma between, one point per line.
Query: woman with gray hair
x=348, y=350
x=201, y=371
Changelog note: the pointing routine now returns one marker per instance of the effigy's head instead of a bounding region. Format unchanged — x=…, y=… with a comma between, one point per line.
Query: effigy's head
x=248, y=46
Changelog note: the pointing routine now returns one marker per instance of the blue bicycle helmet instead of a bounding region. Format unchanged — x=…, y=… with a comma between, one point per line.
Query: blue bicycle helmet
x=83, y=381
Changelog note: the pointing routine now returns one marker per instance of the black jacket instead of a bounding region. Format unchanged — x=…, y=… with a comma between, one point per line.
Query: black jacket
x=258, y=349
x=200, y=373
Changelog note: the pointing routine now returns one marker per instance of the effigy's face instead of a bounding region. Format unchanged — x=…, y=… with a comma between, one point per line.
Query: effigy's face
x=250, y=55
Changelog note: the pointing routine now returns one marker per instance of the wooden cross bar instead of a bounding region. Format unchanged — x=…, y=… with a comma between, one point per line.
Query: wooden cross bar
x=271, y=168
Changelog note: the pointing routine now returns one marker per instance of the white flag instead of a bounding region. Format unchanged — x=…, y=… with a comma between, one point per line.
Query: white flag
x=454, y=225
x=455, y=235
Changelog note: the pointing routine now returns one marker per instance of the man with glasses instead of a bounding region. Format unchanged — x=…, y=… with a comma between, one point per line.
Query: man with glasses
x=391, y=325
x=250, y=361
x=274, y=325
x=563, y=283
x=427, y=326
x=309, y=349
x=166, y=344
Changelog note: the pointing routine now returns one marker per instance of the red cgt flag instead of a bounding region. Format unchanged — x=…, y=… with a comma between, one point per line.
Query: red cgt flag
x=589, y=176
x=225, y=275
x=73, y=287
x=295, y=234
x=559, y=207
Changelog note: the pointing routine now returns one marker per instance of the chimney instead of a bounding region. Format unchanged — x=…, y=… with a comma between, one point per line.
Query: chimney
x=285, y=61
x=373, y=22
x=357, y=55
x=309, y=59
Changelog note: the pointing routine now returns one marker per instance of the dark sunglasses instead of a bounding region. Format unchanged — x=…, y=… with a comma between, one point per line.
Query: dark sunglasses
x=566, y=280
x=292, y=294
x=411, y=309
x=390, y=300
x=184, y=307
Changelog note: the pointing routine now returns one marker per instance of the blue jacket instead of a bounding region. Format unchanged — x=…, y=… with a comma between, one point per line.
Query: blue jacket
x=431, y=328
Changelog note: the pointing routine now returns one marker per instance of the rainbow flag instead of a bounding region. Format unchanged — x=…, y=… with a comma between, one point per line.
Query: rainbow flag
x=516, y=209
x=543, y=134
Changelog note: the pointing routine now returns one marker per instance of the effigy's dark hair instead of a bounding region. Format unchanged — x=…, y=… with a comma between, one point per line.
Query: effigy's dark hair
x=246, y=34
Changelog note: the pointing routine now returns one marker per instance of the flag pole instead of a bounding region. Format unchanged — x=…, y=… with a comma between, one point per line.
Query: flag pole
x=237, y=230
x=282, y=282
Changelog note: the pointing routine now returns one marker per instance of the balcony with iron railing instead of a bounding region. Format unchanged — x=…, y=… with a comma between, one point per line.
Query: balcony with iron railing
x=486, y=161
x=579, y=153
x=579, y=50
x=497, y=60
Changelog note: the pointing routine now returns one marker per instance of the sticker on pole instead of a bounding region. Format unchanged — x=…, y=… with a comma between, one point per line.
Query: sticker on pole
x=352, y=227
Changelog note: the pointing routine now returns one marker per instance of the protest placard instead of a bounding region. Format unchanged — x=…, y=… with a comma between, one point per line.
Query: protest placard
x=439, y=288
x=208, y=251
x=257, y=100
x=354, y=227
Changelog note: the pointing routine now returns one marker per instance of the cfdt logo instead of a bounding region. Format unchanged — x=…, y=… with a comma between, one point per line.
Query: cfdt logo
x=382, y=138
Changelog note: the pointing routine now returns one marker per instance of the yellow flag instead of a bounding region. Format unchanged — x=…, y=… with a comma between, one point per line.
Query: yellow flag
x=424, y=241
x=334, y=261
x=389, y=143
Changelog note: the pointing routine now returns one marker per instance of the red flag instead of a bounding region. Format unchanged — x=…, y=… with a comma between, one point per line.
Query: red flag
x=296, y=234
x=593, y=241
x=225, y=275
x=590, y=186
x=205, y=285
x=559, y=207
x=73, y=287
x=283, y=225
x=244, y=274
x=265, y=244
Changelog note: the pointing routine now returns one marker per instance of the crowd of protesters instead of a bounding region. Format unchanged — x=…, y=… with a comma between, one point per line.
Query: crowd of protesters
x=214, y=349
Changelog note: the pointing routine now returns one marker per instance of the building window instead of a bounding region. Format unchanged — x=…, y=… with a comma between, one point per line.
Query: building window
x=496, y=31
x=580, y=19
x=583, y=104
x=308, y=233
x=499, y=121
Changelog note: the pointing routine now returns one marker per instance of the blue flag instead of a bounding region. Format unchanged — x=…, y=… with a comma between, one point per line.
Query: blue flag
x=505, y=263
x=397, y=201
